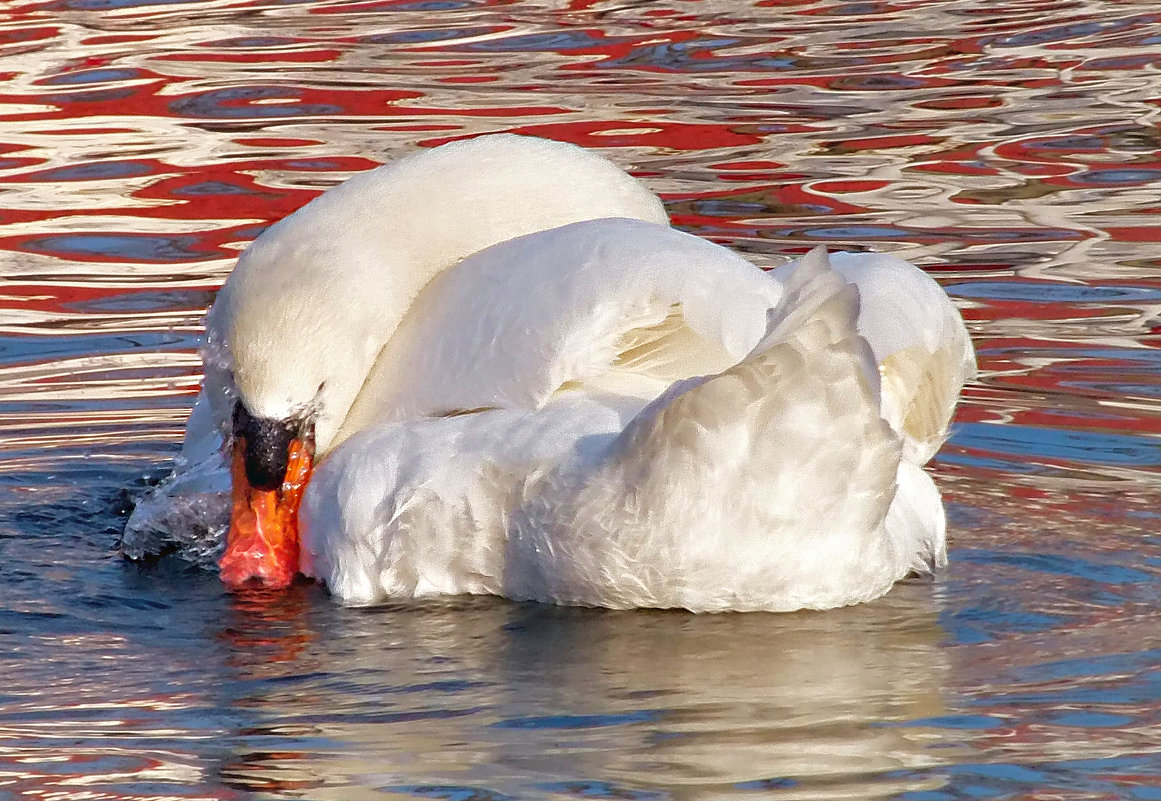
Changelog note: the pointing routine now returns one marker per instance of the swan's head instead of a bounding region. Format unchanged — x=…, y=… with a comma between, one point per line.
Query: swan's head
x=313, y=301
x=291, y=379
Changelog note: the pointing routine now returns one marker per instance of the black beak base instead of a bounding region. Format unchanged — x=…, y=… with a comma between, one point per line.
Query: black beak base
x=266, y=445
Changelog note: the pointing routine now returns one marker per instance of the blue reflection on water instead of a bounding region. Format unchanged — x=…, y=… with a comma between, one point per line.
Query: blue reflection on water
x=1052, y=292
x=579, y=721
x=1054, y=443
x=17, y=349
x=105, y=75
x=160, y=249
x=1117, y=176
x=1057, y=564
x=249, y=102
x=993, y=619
x=94, y=171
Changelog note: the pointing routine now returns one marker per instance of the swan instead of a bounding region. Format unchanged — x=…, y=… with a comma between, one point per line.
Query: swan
x=492, y=367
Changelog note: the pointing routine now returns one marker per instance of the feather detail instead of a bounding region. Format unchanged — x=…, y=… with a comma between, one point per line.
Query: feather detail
x=710, y=498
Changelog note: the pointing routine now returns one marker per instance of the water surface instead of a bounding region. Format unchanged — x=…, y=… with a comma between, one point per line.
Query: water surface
x=1010, y=148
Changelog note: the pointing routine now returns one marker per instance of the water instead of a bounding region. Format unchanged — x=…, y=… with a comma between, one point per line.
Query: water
x=1011, y=148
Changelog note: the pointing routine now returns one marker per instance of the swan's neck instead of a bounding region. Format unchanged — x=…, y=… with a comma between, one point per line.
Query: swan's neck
x=315, y=299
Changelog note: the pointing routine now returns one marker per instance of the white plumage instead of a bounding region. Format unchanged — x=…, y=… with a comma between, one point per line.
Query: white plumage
x=525, y=383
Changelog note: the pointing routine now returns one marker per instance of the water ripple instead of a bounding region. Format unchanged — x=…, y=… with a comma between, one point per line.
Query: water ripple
x=1010, y=148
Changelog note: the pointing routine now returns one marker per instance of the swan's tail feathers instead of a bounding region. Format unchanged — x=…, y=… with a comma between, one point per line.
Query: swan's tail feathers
x=763, y=487
x=810, y=285
x=811, y=379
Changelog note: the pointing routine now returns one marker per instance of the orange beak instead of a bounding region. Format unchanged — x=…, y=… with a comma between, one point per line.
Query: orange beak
x=262, y=544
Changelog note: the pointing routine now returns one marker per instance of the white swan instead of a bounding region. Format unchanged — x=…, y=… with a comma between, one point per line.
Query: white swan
x=516, y=379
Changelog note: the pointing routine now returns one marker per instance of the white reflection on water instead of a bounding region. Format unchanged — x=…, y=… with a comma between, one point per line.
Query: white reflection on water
x=495, y=698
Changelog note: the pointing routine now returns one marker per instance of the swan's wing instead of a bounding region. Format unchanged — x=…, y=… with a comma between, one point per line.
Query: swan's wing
x=920, y=343
x=764, y=487
x=618, y=308
x=419, y=508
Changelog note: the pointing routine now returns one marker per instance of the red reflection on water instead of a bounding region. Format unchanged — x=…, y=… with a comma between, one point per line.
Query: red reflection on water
x=778, y=124
x=266, y=627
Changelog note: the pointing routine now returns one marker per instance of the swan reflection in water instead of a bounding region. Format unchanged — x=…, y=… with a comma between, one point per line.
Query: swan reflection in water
x=483, y=698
